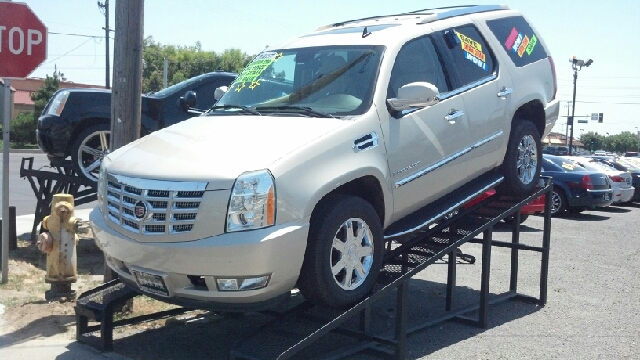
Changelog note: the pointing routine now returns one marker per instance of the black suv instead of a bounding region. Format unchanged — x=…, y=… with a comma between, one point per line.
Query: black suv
x=77, y=122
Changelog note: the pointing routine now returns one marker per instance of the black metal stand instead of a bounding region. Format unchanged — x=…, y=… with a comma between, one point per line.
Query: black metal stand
x=99, y=304
x=291, y=332
x=47, y=183
x=288, y=333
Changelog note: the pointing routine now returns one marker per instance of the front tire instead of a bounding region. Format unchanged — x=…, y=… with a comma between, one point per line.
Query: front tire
x=88, y=150
x=344, y=252
x=521, y=166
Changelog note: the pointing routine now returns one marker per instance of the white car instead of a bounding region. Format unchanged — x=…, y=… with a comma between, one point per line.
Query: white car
x=321, y=151
x=620, y=180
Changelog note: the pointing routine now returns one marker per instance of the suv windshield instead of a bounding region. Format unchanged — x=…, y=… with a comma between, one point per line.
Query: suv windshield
x=334, y=80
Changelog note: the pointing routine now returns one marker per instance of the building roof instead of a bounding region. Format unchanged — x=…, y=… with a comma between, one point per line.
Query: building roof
x=22, y=97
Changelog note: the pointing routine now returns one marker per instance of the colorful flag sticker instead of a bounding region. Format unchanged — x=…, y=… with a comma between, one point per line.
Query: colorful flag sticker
x=511, y=39
x=532, y=44
x=523, y=46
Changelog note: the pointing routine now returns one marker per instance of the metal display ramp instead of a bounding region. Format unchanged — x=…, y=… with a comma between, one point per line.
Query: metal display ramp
x=291, y=332
x=436, y=233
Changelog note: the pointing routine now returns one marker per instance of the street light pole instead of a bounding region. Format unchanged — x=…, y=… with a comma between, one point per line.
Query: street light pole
x=576, y=65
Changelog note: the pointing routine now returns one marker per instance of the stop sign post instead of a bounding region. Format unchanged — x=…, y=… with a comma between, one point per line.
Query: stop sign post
x=23, y=40
x=23, y=47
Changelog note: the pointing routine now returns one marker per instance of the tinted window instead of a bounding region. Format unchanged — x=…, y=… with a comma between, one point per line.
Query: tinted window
x=518, y=38
x=554, y=163
x=418, y=60
x=470, y=53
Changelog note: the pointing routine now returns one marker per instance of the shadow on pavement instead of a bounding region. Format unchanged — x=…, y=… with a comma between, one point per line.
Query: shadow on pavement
x=214, y=338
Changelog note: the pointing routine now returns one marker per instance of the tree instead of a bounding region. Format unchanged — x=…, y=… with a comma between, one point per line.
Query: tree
x=42, y=95
x=23, y=127
x=184, y=62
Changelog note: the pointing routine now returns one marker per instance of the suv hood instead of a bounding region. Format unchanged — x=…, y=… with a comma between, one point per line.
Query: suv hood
x=216, y=149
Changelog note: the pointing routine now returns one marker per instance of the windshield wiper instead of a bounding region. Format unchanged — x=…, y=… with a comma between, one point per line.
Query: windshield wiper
x=227, y=106
x=296, y=109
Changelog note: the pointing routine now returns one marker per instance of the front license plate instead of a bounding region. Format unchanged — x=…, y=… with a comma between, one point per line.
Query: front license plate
x=607, y=197
x=151, y=283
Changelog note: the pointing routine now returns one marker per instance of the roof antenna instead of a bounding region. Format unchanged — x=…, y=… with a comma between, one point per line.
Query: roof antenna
x=365, y=32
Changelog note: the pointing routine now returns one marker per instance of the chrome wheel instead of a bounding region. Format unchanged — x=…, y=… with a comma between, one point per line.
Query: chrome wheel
x=352, y=254
x=91, y=146
x=556, y=203
x=527, y=161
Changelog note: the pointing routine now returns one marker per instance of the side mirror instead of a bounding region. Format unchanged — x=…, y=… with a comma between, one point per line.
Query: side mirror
x=187, y=101
x=219, y=92
x=414, y=95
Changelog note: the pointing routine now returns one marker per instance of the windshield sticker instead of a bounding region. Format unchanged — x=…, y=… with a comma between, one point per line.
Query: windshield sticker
x=568, y=166
x=520, y=43
x=472, y=50
x=252, y=72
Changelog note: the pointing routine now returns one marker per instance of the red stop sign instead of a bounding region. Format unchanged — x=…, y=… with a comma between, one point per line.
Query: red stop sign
x=23, y=40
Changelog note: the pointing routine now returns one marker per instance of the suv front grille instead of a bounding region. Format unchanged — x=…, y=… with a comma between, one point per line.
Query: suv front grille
x=152, y=207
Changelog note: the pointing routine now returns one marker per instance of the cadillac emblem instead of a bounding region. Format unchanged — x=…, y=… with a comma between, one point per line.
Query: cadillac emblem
x=140, y=210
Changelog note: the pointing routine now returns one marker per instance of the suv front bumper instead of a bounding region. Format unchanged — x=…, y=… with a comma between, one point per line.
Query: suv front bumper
x=277, y=251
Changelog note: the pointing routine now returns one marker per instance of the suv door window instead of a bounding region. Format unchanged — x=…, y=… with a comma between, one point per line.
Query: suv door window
x=418, y=60
x=471, y=55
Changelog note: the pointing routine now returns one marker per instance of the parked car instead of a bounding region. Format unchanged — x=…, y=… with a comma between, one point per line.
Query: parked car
x=575, y=188
x=76, y=123
x=623, y=165
x=320, y=150
x=556, y=150
x=621, y=181
x=536, y=206
x=632, y=154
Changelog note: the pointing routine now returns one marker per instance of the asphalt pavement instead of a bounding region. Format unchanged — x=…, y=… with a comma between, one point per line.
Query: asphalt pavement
x=21, y=195
x=592, y=309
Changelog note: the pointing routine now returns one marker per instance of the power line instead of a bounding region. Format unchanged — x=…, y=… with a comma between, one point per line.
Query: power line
x=80, y=35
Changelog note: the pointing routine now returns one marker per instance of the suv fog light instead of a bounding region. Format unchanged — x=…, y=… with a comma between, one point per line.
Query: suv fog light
x=235, y=284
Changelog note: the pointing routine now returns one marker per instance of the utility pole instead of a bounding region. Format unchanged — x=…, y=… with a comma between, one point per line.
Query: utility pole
x=105, y=6
x=127, y=73
x=126, y=95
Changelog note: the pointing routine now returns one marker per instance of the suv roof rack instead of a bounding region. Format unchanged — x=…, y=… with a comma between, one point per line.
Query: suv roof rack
x=430, y=14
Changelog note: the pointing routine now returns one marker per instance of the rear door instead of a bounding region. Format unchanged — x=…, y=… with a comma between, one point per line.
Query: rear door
x=486, y=89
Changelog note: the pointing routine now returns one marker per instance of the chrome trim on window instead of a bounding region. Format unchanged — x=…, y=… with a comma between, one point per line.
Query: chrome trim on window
x=443, y=162
x=447, y=211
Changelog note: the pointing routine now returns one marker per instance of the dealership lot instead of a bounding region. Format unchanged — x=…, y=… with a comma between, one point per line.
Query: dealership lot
x=592, y=309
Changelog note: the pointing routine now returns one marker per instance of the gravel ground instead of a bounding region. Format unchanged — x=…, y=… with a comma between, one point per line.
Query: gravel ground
x=592, y=309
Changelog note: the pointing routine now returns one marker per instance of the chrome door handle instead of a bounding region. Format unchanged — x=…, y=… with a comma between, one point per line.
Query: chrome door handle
x=453, y=115
x=504, y=92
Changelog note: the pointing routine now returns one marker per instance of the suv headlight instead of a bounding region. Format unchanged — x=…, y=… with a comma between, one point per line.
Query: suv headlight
x=252, y=204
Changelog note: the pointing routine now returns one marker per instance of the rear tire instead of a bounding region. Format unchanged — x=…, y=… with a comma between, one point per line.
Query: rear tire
x=558, y=202
x=344, y=252
x=88, y=150
x=521, y=166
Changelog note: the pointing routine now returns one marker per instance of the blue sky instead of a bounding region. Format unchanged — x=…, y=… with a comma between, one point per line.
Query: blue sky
x=604, y=33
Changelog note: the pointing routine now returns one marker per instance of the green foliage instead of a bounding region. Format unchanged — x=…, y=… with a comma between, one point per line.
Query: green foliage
x=184, y=62
x=620, y=143
x=23, y=129
x=42, y=95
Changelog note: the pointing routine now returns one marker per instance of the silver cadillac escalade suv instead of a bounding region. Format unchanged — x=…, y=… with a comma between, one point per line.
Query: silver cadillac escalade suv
x=295, y=176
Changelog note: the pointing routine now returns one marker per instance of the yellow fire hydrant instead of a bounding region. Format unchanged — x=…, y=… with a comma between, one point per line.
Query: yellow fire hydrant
x=59, y=243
